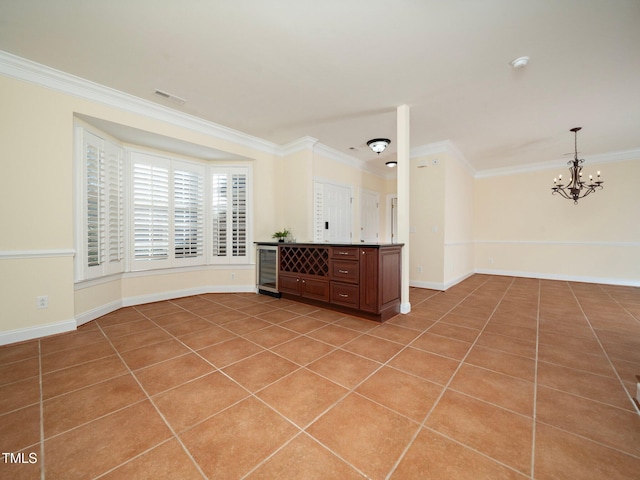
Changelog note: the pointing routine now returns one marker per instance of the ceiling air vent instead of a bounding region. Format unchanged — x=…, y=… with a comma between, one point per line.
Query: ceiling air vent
x=170, y=97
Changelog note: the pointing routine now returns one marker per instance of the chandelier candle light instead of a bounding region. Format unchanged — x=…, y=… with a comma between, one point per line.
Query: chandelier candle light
x=576, y=188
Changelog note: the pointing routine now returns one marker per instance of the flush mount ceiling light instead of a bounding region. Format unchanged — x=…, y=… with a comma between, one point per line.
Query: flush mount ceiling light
x=576, y=189
x=378, y=144
x=391, y=163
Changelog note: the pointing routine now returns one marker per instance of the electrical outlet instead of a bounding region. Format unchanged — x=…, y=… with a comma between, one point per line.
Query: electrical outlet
x=420, y=269
x=491, y=260
x=233, y=276
x=42, y=301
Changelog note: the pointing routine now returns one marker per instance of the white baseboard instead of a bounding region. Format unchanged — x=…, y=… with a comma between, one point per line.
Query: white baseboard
x=428, y=285
x=456, y=281
x=158, y=297
x=98, y=312
x=405, y=307
x=30, y=333
x=565, y=278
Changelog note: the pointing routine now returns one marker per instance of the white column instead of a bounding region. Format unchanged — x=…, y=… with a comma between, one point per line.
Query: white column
x=403, y=179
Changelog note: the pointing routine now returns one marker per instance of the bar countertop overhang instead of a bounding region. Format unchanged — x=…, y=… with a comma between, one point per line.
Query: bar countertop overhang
x=337, y=244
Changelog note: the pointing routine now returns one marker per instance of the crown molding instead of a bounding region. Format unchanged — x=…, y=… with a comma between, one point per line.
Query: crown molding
x=299, y=145
x=445, y=146
x=21, y=69
x=338, y=156
x=560, y=163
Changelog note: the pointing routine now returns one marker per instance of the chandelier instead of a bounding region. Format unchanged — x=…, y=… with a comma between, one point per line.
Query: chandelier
x=576, y=188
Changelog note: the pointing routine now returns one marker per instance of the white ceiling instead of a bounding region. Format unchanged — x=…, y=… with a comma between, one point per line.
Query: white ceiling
x=336, y=70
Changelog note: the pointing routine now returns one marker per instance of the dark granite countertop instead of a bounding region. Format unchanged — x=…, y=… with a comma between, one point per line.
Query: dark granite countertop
x=326, y=244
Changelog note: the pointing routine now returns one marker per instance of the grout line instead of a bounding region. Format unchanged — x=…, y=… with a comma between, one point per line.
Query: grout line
x=175, y=435
x=604, y=350
x=41, y=459
x=461, y=361
x=535, y=384
x=302, y=430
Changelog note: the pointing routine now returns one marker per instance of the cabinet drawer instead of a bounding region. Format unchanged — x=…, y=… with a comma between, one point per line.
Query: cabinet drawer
x=345, y=271
x=348, y=253
x=345, y=294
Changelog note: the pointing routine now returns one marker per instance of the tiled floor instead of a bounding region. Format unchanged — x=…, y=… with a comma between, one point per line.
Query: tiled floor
x=498, y=377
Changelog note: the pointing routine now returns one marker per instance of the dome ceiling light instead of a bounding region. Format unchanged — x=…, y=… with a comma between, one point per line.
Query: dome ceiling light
x=378, y=144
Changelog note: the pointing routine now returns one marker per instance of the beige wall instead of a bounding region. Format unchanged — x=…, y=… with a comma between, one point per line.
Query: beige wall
x=295, y=196
x=458, y=221
x=36, y=202
x=427, y=221
x=521, y=229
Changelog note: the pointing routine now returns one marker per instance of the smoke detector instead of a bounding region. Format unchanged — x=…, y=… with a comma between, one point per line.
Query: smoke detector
x=519, y=63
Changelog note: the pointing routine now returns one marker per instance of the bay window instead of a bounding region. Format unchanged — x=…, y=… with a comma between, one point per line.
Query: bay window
x=180, y=213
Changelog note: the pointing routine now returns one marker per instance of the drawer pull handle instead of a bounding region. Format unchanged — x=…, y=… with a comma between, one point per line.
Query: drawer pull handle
x=343, y=253
x=344, y=295
x=343, y=271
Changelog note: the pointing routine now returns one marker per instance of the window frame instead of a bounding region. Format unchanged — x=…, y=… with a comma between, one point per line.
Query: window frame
x=128, y=155
x=107, y=210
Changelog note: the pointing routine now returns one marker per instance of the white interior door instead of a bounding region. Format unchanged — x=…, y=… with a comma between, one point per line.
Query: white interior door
x=332, y=213
x=369, y=216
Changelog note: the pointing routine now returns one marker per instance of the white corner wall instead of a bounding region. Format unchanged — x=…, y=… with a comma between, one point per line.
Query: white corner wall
x=459, y=248
x=427, y=221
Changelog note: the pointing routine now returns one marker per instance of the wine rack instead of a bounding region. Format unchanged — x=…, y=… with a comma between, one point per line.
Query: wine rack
x=306, y=260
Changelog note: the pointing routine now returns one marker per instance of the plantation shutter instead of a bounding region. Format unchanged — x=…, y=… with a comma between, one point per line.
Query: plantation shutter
x=151, y=219
x=114, y=202
x=188, y=213
x=94, y=200
x=219, y=204
x=229, y=215
x=239, y=215
x=104, y=207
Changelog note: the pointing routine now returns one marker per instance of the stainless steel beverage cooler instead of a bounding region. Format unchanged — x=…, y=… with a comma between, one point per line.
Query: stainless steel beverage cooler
x=267, y=271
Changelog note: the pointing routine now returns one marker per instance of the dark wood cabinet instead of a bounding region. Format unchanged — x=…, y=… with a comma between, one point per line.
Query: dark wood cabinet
x=359, y=280
x=304, y=272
